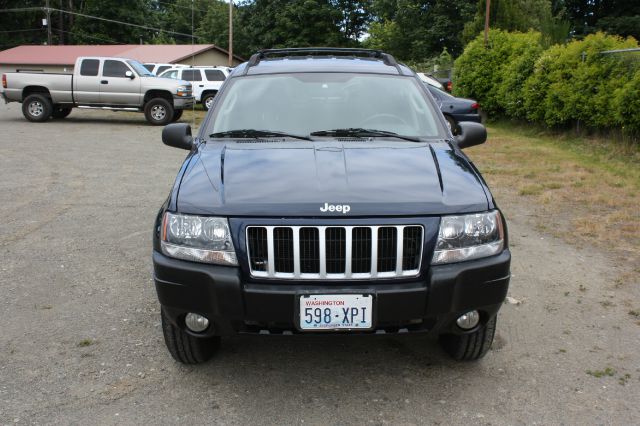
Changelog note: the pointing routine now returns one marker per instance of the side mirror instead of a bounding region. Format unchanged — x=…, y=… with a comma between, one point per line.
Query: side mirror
x=178, y=135
x=470, y=134
x=129, y=74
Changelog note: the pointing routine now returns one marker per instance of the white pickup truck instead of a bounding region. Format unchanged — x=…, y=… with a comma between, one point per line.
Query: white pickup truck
x=98, y=82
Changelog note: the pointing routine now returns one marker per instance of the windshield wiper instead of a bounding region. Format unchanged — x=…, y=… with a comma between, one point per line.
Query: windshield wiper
x=356, y=131
x=253, y=133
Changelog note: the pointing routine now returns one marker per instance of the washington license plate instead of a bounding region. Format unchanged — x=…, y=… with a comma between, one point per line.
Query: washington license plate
x=335, y=311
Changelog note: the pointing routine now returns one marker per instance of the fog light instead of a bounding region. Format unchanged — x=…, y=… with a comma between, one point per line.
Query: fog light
x=468, y=320
x=196, y=323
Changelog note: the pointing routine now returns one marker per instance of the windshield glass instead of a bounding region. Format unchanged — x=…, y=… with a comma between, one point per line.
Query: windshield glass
x=140, y=69
x=304, y=103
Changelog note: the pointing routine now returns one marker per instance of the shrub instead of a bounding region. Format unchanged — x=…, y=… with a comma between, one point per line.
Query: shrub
x=481, y=72
x=526, y=50
x=626, y=104
x=575, y=82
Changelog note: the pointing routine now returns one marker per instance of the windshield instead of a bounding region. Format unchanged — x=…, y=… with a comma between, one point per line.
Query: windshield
x=306, y=103
x=140, y=69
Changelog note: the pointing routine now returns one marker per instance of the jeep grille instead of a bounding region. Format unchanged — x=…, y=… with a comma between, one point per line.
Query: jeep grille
x=334, y=252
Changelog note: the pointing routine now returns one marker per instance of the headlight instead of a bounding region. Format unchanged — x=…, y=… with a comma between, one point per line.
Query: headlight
x=197, y=238
x=183, y=91
x=469, y=237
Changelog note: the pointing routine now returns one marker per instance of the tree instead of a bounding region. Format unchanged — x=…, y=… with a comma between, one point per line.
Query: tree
x=23, y=27
x=356, y=17
x=416, y=30
x=178, y=15
x=295, y=23
x=92, y=31
x=518, y=15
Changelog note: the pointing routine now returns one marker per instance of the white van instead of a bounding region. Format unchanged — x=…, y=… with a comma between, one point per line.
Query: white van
x=206, y=81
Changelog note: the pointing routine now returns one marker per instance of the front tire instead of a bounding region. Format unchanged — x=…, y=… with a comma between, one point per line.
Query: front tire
x=158, y=111
x=185, y=348
x=207, y=101
x=471, y=346
x=60, y=112
x=37, y=108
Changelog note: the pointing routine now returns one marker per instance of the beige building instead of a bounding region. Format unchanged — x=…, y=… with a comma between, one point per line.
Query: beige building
x=61, y=59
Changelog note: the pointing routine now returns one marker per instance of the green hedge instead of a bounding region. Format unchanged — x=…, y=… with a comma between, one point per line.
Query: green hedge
x=564, y=84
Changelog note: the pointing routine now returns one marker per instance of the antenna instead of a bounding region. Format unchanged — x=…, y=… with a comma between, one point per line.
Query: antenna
x=193, y=59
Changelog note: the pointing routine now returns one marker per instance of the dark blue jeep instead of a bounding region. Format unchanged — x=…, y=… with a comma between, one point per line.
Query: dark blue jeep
x=324, y=193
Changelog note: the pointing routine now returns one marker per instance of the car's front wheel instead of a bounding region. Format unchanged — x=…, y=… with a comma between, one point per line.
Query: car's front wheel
x=184, y=347
x=471, y=346
x=158, y=111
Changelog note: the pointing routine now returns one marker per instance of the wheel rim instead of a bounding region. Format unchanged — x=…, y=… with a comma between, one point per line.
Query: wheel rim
x=158, y=112
x=36, y=108
x=208, y=102
x=449, y=125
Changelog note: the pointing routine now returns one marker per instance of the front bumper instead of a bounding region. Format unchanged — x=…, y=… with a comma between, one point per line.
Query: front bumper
x=427, y=304
x=183, y=102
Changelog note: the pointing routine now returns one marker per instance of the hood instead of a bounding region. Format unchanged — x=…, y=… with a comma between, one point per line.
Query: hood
x=170, y=84
x=306, y=179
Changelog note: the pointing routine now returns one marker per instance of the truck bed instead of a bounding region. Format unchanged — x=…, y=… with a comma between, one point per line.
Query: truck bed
x=59, y=85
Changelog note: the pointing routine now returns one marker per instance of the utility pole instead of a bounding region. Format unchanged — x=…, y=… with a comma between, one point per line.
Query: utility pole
x=48, y=10
x=230, y=33
x=486, y=23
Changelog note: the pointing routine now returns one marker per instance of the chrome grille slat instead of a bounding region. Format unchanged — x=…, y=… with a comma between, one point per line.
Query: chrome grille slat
x=374, y=251
x=399, y=246
x=347, y=251
x=296, y=251
x=270, y=258
x=323, y=252
x=334, y=252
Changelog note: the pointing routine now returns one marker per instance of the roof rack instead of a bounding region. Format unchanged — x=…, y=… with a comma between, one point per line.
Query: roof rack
x=387, y=59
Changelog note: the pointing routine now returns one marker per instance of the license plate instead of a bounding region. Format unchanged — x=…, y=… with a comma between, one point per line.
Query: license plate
x=335, y=311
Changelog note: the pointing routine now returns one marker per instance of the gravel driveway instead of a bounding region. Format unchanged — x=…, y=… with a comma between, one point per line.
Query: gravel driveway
x=81, y=340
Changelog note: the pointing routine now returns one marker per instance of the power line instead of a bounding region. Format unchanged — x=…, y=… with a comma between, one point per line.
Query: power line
x=88, y=36
x=21, y=31
x=181, y=7
x=144, y=27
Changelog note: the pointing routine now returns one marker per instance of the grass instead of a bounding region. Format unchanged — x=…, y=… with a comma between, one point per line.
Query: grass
x=85, y=342
x=584, y=190
x=602, y=373
x=193, y=117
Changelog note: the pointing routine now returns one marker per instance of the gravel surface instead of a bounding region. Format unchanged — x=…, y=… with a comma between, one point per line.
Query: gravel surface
x=81, y=341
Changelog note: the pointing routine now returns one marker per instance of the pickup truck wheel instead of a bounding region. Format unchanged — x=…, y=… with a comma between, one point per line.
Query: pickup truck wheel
x=207, y=101
x=37, y=108
x=472, y=346
x=177, y=114
x=184, y=347
x=59, y=112
x=158, y=112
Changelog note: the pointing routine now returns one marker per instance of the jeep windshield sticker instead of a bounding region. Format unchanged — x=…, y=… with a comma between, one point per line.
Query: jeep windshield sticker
x=344, y=208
